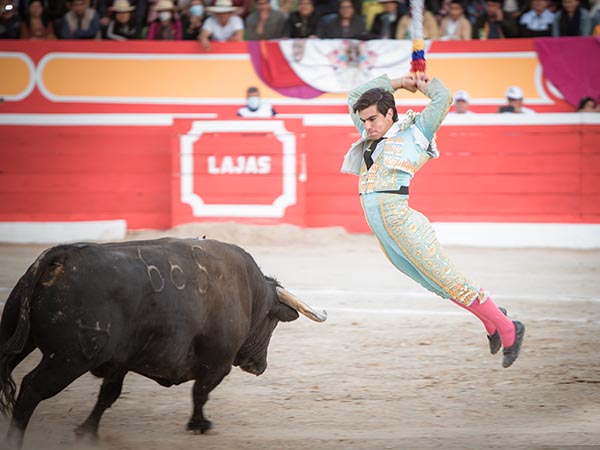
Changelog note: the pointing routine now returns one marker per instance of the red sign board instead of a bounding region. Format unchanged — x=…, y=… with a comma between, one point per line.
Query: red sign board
x=229, y=164
x=236, y=169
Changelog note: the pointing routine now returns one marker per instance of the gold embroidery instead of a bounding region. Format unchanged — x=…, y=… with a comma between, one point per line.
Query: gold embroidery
x=415, y=238
x=385, y=171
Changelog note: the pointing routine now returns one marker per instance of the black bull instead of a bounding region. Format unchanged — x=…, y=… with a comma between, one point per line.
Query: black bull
x=172, y=310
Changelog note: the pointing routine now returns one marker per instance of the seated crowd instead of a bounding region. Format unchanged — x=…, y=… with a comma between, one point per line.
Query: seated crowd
x=235, y=20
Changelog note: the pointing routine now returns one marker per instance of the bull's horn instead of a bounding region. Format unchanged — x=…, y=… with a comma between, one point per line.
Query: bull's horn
x=292, y=301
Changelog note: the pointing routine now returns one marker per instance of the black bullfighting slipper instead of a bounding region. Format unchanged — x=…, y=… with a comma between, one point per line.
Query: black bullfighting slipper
x=511, y=353
x=494, y=340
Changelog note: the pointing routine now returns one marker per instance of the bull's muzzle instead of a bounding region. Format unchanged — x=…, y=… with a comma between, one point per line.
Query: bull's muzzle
x=286, y=297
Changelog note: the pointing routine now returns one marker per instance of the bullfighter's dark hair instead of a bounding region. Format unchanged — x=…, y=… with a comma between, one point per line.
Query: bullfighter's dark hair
x=380, y=97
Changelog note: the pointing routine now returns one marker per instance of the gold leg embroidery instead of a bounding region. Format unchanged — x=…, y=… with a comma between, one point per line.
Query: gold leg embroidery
x=416, y=239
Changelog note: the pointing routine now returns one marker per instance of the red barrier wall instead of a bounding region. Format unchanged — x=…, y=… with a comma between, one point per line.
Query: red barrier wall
x=78, y=173
x=545, y=174
x=524, y=173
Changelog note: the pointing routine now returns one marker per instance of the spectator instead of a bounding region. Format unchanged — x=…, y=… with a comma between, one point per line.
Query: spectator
x=122, y=26
x=461, y=103
x=303, y=22
x=494, y=24
x=140, y=13
x=37, y=24
x=285, y=6
x=587, y=104
x=10, y=24
x=167, y=27
x=193, y=20
x=385, y=24
x=265, y=22
x=430, y=26
x=572, y=20
x=345, y=24
x=455, y=26
x=222, y=25
x=537, y=22
x=474, y=9
x=81, y=22
x=514, y=8
x=54, y=10
x=254, y=106
x=514, y=97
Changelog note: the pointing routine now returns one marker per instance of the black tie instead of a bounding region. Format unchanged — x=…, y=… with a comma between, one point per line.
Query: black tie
x=369, y=152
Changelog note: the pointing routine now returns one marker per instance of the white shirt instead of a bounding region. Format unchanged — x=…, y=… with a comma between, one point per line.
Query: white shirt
x=526, y=110
x=450, y=31
x=264, y=110
x=220, y=33
x=510, y=6
x=419, y=137
x=536, y=22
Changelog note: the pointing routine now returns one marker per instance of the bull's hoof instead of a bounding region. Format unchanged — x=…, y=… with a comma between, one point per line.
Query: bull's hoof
x=199, y=426
x=85, y=431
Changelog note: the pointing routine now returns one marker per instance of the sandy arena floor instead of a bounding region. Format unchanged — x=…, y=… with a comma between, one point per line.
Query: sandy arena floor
x=394, y=367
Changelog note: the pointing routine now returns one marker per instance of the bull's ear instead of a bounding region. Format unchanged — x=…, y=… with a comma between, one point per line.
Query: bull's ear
x=283, y=312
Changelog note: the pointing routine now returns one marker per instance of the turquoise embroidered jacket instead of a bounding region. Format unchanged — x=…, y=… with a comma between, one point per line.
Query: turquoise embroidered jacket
x=405, y=150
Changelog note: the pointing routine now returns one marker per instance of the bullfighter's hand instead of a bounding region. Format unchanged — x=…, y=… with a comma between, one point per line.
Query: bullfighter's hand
x=409, y=83
x=423, y=81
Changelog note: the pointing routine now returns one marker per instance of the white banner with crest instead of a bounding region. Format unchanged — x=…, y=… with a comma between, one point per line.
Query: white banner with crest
x=338, y=65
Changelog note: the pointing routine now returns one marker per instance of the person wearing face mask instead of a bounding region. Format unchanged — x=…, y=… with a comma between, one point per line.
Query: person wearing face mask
x=193, y=20
x=255, y=107
x=167, y=27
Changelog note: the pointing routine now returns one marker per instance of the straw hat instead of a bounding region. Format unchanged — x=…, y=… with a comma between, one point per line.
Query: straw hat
x=222, y=6
x=164, y=5
x=122, y=6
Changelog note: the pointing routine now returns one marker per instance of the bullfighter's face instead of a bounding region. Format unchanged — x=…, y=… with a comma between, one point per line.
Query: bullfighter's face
x=376, y=124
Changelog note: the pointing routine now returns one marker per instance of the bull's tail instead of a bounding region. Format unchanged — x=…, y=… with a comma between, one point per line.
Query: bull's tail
x=15, y=330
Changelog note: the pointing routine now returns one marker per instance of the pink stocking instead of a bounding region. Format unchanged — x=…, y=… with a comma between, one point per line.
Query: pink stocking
x=490, y=312
x=490, y=328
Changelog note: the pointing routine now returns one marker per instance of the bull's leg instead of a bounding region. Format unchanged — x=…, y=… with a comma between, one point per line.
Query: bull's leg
x=109, y=393
x=202, y=387
x=50, y=377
